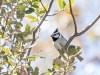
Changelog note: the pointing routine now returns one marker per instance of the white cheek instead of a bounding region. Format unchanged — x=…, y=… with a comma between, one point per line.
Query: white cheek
x=56, y=36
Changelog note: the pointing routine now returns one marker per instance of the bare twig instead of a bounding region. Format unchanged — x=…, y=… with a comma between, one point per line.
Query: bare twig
x=56, y=13
x=43, y=6
x=71, y=11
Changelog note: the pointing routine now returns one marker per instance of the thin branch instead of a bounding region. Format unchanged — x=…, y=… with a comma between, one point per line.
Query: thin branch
x=15, y=67
x=16, y=64
x=56, y=13
x=43, y=6
x=88, y=27
x=70, y=6
x=45, y=15
x=42, y=20
x=69, y=40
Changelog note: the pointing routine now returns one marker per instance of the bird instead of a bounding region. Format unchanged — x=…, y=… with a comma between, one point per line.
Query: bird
x=58, y=39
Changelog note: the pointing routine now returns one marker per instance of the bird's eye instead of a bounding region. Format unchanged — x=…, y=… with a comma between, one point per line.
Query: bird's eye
x=56, y=35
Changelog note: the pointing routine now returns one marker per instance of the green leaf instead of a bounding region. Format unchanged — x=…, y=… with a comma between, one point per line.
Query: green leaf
x=29, y=11
x=4, y=1
x=61, y=4
x=20, y=10
x=71, y=46
x=36, y=71
x=24, y=0
x=35, y=6
x=78, y=47
x=20, y=14
x=71, y=49
x=72, y=3
x=25, y=33
x=32, y=58
x=72, y=60
x=21, y=7
x=28, y=40
x=27, y=28
x=41, y=13
x=56, y=67
x=13, y=1
x=17, y=23
x=28, y=1
x=26, y=66
x=3, y=11
x=42, y=57
x=48, y=72
x=2, y=53
x=6, y=50
x=32, y=18
x=2, y=34
x=3, y=28
x=5, y=58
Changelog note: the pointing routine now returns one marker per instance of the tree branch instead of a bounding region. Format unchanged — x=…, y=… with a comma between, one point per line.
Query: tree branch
x=80, y=33
x=71, y=11
x=42, y=20
x=45, y=15
x=88, y=27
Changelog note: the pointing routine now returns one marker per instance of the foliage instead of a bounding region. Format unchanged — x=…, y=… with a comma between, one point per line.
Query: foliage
x=14, y=53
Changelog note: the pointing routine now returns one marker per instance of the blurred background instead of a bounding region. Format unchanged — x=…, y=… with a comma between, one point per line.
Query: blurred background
x=87, y=11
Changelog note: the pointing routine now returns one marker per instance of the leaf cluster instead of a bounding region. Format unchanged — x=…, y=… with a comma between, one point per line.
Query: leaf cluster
x=65, y=61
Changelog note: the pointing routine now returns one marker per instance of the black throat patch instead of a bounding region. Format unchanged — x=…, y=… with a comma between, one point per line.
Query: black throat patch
x=55, y=35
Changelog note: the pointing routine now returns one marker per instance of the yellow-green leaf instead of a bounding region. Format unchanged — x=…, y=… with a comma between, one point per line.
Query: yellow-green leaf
x=36, y=71
x=6, y=50
x=32, y=58
x=61, y=4
x=48, y=72
x=26, y=66
x=32, y=18
x=72, y=3
x=27, y=28
x=56, y=67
